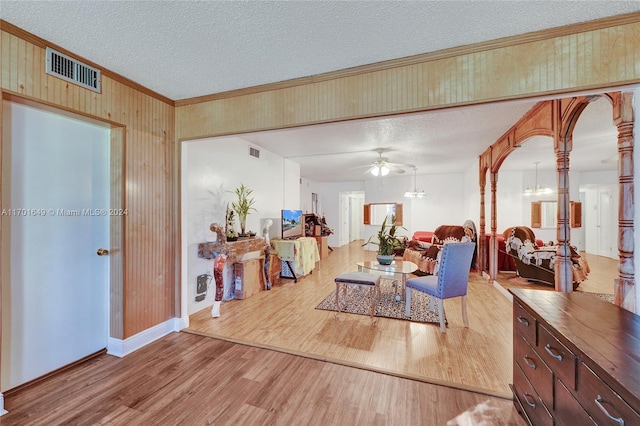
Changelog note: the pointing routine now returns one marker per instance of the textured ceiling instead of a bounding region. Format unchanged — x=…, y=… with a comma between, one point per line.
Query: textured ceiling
x=184, y=49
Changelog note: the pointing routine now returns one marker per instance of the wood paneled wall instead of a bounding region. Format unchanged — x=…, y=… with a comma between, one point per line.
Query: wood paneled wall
x=142, y=149
x=601, y=54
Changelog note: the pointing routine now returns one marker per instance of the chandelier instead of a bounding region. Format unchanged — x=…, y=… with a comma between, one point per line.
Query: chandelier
x=416, y=193
x=537, y=189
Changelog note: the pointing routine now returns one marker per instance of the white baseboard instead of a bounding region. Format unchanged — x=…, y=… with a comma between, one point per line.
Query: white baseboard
x=2, y=410
x=122, y=348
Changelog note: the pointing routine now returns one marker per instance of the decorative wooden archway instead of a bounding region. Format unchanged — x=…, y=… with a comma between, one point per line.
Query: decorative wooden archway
x=557, y=118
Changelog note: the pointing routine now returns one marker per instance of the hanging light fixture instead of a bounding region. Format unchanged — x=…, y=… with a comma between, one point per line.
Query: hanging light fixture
x=537, y=189
x=416, y=193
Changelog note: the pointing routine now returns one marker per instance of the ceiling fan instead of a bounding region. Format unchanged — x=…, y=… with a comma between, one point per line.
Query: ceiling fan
x=381, y=166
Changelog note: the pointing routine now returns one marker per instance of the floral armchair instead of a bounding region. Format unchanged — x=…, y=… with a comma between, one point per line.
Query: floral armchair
x=426, y=254
x=536, y=262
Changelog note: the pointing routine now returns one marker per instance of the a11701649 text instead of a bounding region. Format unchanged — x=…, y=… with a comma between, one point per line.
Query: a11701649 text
x=41, y=212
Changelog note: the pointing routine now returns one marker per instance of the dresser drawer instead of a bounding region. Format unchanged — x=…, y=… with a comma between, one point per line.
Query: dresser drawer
x=568, y=411
x=599, y=400
x=538, y=374
x=556, y=355
x=529, y=399
x=524, y=323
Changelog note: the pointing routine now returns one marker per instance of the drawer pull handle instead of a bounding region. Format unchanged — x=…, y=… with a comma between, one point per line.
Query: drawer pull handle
x=599, y=400
x=523, y=321
x=531, y=403
x=548, y=348
x=531, y=364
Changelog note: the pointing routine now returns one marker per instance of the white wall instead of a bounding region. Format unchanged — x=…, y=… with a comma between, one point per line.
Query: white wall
x=329, y=194
x=291, y=185
x=210, y=169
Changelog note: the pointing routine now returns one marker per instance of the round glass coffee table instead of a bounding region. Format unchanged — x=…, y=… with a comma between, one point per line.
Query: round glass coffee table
x=397, y=267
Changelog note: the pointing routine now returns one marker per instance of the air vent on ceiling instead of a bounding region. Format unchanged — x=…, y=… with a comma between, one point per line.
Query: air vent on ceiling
x=72, y=70
x=254, y=152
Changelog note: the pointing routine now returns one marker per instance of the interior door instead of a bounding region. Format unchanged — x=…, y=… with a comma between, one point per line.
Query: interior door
x=55, y=300
x=607, y=232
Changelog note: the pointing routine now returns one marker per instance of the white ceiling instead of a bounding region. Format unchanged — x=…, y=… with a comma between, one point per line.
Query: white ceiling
x=184, y=49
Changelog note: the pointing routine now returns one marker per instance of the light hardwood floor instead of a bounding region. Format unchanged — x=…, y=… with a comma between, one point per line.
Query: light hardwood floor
x=186, y=379
x=478, y=358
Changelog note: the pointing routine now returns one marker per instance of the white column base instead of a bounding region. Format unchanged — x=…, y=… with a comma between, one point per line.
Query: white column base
x=2, y=410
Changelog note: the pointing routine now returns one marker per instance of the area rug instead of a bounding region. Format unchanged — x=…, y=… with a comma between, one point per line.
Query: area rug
x=358, y=302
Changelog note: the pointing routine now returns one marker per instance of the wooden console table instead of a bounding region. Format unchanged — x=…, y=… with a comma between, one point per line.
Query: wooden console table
x=235, y=251
x=576, y=359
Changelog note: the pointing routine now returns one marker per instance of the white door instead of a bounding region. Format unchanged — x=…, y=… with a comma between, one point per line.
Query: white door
x=55, y=300
x=607, y=232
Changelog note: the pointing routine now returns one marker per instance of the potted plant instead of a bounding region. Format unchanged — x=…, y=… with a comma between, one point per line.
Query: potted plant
x=243, y=205
x=387, y=241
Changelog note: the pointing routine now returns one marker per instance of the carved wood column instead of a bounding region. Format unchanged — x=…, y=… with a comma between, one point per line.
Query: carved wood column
x=624, y=287
x=482, y=242
x=563, y=270
x=493, y=250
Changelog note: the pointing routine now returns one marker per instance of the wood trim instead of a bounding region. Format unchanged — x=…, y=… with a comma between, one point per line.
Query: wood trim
x=536, y=214
x=366, y=215
x=58, y=109
x=423, y=57
x=575, y=214
x=40, y=42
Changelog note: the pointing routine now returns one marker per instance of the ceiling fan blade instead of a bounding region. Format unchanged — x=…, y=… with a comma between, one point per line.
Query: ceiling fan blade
x=396, y=168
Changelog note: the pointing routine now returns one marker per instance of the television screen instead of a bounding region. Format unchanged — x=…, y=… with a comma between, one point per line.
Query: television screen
x=292, y=226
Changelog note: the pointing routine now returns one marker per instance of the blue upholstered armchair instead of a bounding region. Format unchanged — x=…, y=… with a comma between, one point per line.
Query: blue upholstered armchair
x=452, y=280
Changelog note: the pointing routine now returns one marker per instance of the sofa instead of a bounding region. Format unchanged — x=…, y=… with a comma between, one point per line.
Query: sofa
x=536, y=262
x=505, y=260
x=424, y=247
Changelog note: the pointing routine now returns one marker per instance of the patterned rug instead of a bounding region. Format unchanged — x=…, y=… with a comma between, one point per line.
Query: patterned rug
x=358, y=302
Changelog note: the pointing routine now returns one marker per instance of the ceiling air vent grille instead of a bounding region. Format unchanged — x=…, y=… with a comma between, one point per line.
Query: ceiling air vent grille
x=254, y=152
x=72, y=70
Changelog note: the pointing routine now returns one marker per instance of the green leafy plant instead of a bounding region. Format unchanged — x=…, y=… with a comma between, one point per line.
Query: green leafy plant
x=387, y=238
x=243, y=205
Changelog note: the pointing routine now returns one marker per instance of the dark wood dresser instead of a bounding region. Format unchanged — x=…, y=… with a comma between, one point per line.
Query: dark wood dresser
x=576, y=360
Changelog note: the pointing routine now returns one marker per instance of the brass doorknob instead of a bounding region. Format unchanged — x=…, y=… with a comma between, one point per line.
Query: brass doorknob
x=103, y=252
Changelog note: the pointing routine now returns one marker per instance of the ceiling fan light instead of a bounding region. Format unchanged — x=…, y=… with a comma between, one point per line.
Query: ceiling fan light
x=384, y=170
x=375, y=170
